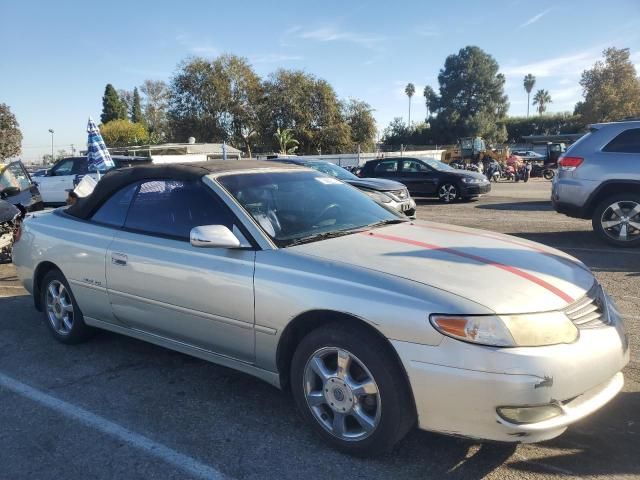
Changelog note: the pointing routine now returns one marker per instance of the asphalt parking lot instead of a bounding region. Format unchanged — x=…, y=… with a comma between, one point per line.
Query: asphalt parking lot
x=120, y=408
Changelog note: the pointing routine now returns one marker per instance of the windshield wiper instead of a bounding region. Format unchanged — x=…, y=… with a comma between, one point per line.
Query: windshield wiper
x=324, y=236
x=391, y=221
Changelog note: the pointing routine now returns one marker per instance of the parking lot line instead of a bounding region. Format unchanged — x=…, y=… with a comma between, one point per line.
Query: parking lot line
x=183, y=462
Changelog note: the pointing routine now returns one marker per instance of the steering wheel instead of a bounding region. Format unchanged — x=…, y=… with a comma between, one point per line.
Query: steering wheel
x=333, y=207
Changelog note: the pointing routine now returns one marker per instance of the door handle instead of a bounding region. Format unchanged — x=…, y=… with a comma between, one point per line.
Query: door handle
x=119, y=259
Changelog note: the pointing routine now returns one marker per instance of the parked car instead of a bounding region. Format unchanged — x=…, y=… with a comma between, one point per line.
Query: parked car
x=599, y=178
x=529, y=155
x=16, y=187
x=374, y=323
x=388, y=192
x=428, y=177
x=66, y=173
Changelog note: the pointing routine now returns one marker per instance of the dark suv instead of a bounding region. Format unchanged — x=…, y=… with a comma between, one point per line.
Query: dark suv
x=599, y=178
x=429, y=177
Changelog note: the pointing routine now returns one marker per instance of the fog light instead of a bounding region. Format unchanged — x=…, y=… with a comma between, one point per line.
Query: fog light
x=522, y=415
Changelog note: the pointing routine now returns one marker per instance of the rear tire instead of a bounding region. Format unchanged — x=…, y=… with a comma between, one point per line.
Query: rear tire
x=351, y=389
x=60, y=310
x=617, y=220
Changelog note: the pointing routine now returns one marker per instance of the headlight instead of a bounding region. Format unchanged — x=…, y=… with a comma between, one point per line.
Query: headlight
x=379, y=197
x=527, y=330
x=472, y=180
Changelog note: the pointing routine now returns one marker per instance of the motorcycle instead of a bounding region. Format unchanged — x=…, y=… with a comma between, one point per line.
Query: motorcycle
x=10, y=219
x=549, y=171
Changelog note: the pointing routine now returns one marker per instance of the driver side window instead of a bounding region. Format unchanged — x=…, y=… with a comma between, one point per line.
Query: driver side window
x=63, y=168
x=411, y=166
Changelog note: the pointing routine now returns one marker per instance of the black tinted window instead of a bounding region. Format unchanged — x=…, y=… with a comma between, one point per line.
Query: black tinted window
x=113, y=212
x=626, y=142
x=173, y=208
x=388, y=166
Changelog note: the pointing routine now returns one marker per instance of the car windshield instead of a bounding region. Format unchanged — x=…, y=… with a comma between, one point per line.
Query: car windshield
x=304, y=206
x=333, y=170
x=437, y=165
x=14, y=176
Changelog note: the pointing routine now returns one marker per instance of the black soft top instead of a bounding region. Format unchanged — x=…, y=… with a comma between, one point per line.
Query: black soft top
x=114, y=180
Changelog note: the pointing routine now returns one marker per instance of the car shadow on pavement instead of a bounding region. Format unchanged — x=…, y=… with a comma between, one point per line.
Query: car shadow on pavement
x=586, y=246
x=532, y=206
x=605, y=443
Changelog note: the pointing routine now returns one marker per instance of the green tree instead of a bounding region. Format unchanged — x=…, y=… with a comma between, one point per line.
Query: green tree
x=552, y=124
x=542, y=99
x=472, y=100
x=10, y=134
x=285, y=140
x=362, y=125
x=136, y=107
x=113, y=108
x=409, y=90
x=216, y=100
x=611, y=89
x=156, y=104
x=529, y=83
x=123, y=133
x=309, y=107
x=430, y=100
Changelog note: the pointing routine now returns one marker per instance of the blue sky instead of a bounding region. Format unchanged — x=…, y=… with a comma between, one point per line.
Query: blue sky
x=57, y=56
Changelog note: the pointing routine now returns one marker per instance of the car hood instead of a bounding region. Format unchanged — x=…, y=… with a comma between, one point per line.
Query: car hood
x=505, y=274
x=378, y=184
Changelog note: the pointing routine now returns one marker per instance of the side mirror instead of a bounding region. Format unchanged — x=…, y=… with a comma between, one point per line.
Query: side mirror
x=9, y=192
x=213, y=236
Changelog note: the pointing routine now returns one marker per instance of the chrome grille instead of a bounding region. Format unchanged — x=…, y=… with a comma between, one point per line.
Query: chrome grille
x=590, y=310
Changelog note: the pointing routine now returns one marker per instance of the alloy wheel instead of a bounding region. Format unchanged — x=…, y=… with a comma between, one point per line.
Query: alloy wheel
x=447, y=192
x=342, y=394
x=59, y=308
x=621, y=221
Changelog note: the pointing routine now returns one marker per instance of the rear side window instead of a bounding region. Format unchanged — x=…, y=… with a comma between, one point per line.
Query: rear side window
x=626, y=142
x=113, y=212
x=387, y=166
x=172, y=208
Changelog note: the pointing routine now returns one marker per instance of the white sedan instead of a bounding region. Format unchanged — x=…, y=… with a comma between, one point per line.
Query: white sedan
x=375, y=323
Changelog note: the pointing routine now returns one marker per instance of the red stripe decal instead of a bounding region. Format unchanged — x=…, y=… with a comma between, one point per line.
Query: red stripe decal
x=515, y=271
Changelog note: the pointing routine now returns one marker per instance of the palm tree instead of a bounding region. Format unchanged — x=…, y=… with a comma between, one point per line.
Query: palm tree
x=542, y=99
x=429, y=99
x=410, y=89
x=285, y=140
x=529, y=83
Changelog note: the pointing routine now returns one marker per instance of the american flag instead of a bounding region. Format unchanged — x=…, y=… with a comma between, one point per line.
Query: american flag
x=97, y=153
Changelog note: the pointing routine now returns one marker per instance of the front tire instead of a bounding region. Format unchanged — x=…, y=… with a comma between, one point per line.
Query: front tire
x=351, y=389
x=448, y=193
x=60, y=310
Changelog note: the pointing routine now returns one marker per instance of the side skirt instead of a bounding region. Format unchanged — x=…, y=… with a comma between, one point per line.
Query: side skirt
x=265, y=375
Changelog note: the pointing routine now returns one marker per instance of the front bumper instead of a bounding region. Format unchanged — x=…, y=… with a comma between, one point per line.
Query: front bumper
x=475, y=189
x=407, y=207
x=458, y=386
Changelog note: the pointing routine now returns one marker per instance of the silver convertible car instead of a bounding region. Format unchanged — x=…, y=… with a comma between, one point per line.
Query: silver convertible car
x=375, y=323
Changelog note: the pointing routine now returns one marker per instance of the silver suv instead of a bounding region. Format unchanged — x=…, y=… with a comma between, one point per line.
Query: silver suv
x=599, y=178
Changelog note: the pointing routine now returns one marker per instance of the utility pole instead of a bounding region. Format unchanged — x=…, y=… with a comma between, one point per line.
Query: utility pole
x=51, y=132
x=73, y=150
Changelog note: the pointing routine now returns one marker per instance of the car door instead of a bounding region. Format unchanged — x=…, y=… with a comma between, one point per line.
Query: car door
x=419, y=178
x=53, y=187
x=160, y=284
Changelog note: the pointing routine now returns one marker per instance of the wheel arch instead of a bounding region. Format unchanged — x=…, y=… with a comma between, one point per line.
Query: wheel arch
x=41, y=270
x=310, y=320
x=607, y=189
